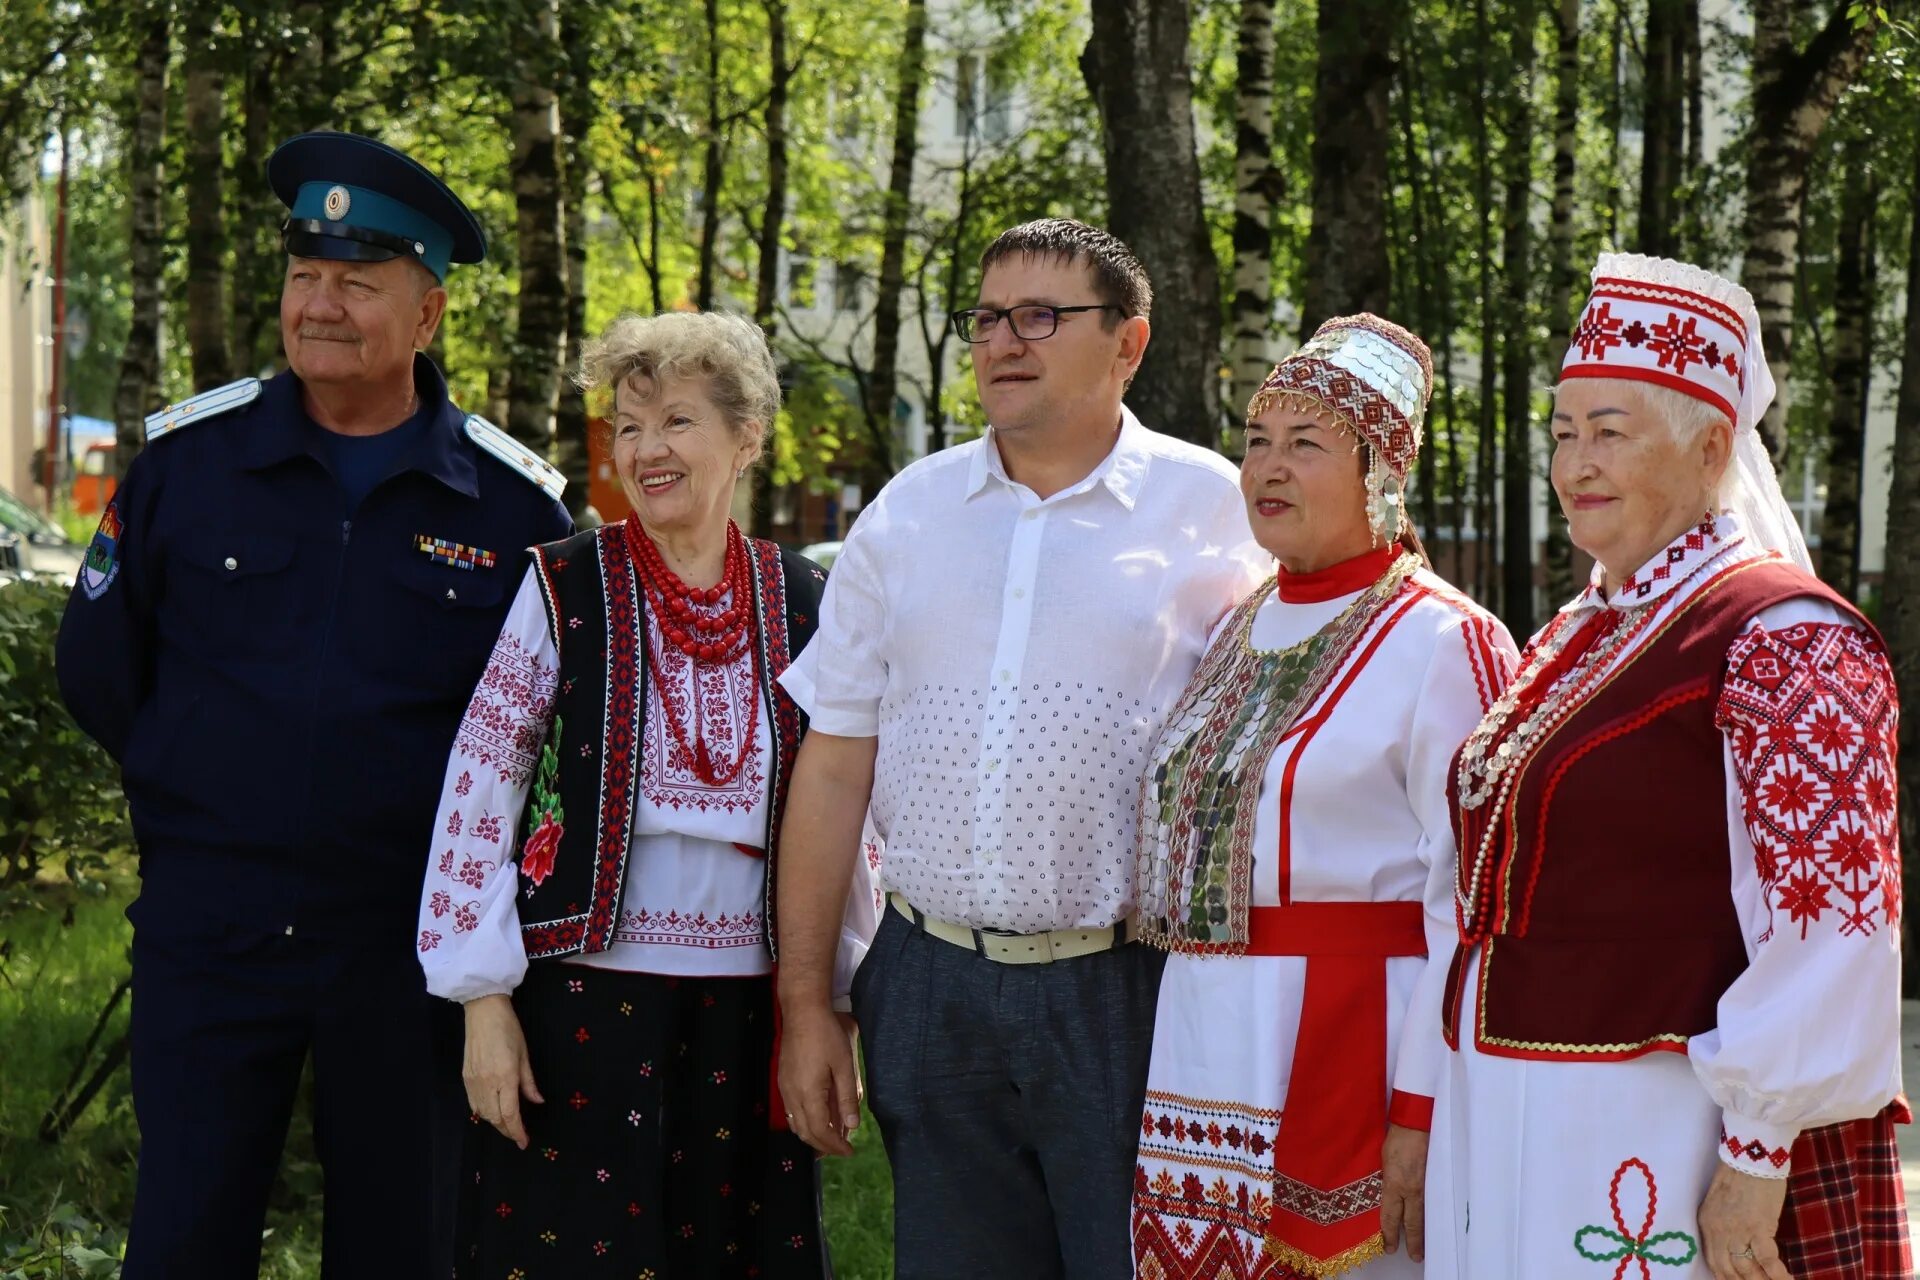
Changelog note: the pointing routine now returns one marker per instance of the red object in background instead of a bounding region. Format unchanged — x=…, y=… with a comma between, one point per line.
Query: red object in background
x=93, y=482
x=604, y=493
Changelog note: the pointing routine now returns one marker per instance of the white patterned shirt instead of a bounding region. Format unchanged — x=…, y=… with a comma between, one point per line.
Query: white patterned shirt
x=1014, y=656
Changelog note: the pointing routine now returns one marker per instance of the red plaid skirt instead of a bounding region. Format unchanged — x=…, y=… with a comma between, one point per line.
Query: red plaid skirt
x=1846, y=1211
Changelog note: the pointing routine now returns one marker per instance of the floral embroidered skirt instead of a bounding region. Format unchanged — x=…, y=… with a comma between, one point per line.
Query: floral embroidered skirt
x=651, y=1156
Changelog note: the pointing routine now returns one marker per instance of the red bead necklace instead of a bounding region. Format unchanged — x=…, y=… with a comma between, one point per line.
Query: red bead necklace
x=688, y=620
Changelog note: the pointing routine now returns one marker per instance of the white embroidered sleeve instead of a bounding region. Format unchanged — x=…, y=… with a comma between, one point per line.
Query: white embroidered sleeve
x=839, y=677
x=1808, y=1035
x=469, y=939
x=1470, y=667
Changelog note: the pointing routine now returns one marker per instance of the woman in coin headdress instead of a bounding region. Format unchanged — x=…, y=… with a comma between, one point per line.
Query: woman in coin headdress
x=1295, y=854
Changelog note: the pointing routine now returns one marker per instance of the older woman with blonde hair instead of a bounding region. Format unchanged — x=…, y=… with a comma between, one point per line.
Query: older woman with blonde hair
x=1675, y=998
x=609, y=815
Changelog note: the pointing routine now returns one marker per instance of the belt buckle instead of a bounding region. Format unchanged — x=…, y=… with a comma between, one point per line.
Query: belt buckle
x=1008, y=939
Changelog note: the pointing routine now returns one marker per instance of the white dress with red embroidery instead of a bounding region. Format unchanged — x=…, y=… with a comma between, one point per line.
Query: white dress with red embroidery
x=696, y=875
x=1615, y=1157
x=1363, y=804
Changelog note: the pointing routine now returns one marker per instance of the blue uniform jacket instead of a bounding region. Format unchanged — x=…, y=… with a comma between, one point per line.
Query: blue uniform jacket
x=281, y=677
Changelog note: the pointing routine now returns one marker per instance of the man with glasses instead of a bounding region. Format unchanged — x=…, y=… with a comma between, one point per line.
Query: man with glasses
x=1005, y=629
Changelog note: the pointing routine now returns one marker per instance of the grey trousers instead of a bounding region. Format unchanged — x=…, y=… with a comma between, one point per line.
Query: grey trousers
x=1009, y=1098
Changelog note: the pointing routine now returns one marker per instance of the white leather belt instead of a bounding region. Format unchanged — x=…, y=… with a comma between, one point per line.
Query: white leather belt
x=1015, y=948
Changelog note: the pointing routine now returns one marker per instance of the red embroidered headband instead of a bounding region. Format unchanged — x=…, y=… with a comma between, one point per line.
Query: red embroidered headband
x=1667, y=323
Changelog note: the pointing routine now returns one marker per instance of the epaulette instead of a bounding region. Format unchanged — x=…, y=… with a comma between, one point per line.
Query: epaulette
x=544, y=475
x=207, y=404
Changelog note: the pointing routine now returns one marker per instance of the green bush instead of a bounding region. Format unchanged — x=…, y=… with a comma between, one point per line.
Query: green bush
x=66, y=1245
x=60, y=802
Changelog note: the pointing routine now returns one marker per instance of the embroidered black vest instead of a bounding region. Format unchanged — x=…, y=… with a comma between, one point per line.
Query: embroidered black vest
x=590, y=762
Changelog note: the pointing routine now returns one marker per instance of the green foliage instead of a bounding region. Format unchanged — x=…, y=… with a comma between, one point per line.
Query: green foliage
x=64, y=1245
x=60, y=803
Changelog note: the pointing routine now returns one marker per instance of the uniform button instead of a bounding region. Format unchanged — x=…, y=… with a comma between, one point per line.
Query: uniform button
x=289, y=931
x=450, y=594
x=232, y=563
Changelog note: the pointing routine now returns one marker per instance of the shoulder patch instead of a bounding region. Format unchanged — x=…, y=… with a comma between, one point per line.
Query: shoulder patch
x=207, y=404
x=543, y=474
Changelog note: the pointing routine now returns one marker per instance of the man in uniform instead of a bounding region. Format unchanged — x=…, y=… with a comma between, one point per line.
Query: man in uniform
x=276, y=629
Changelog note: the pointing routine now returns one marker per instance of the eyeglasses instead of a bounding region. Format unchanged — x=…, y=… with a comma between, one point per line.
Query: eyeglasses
x=1030, y=322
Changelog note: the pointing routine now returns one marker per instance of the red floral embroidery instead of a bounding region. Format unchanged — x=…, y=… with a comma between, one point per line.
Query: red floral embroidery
x=689, y=929
x=1678, y=342
x=466, y=917
x=487, y=828
x=507, y=717
x=428, y=940
x=536, y=859
x=1811, y=719
x=1598, y=331
x=440, y=903
x=708, y=701
x=445, y=864
x=453, y=823
x=465, y=784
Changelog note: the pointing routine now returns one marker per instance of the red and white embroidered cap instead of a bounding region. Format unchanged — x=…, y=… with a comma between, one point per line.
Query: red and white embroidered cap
x=1674, y=325
x=1370, y=374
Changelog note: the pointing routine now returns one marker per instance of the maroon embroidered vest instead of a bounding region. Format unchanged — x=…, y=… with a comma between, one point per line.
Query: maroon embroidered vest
x=590, y=762
x=1602, y=906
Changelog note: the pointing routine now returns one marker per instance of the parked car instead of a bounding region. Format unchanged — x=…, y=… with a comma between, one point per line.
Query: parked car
x=823, y=553
x=41, y=549
x=10, y=563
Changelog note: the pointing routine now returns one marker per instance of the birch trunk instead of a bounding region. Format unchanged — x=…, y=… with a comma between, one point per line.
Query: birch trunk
x=1259, y=185
x=1794, y=91
x=533, y=386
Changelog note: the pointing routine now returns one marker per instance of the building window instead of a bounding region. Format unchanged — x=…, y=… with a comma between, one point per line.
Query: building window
x=800, y=282
x=846, y=287
x=996, y=124
x=844, y=107
x=966, y=80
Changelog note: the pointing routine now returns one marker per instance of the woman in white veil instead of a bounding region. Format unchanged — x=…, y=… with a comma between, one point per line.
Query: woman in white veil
x=1675, y=1000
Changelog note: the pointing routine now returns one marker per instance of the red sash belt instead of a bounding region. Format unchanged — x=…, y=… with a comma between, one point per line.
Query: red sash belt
x=1326, y=1156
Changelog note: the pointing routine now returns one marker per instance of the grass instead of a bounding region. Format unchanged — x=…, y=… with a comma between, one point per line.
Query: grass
x=64, y=1206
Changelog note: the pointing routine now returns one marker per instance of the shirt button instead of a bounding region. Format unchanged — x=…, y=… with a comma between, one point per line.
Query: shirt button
x=1019, y=593
x=1032, y=515
x=232, y=563
x=1005, y=674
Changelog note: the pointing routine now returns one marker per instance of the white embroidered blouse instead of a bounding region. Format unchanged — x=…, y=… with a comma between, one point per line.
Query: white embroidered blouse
x=693, y=902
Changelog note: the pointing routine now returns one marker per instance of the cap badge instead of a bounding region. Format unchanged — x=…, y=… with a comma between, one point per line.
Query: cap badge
x=338, y=202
